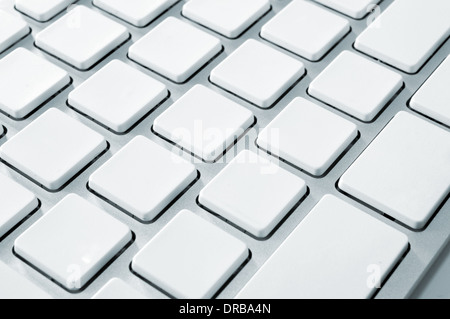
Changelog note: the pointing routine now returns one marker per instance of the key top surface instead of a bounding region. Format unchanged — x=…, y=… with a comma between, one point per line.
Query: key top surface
x=138, y=13
x=356, y=85
x=228, y=17
x=332, y=254
x=42, y=10
x=52, y=149
x=356, y=9
x=258, y=73
x=12, y=29
x=308, y=136
x=306, y=29
x=27, y=81
x=253, y=194
x=433, y=98
x=117, y=289
x=143, y=178
x=16, y=203
x=190, y=258
x=118, y=96
x=82, y=37
x=175, y=49
x=204, y=122
x=397, y=38
x=404, y=172
x=72, y=242
x=15, y=286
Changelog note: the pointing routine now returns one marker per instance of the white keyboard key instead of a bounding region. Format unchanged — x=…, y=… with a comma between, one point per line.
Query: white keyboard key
x=138, y=13
x=82, y=37
x=15, y=286
x=175, y=49
x=228, y=17
x=73, y=242
x=356, y=85
x=253, y=194
x=118, y=96
x=404, y=172
x=52, y=149
x=12, y=29
x=16, y=203
x=308, y=136
x=27, y=81
x=356, y=9
x=42, y=10
x=117, y=289
x=306, y=29
x=397, y=39
x=143, y=178
x=433, y=98
x=330, y=255
x=190, y=258
x=204, y=122
x=258, y=73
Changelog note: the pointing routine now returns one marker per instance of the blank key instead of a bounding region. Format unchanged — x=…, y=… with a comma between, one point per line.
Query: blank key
x=15, y=286
x=175, y=49
x=72, y=242
x=143, y=178
x=190, y=258
x=337, y=252
x=12, y=29
x=308, y=136
x=16, y=203
x=258, y=73
x=27, y=81
x=306, y=29
x=42, y=10
x=356, y=9
x=397, y=39
x=253, y=194
x=82, y=37
x=118, y=96
x=228, y=17
x=138, y=13
x=404, y=172
x=52, y=149
x=204, y=122
x=356, y=85
x=433, y=98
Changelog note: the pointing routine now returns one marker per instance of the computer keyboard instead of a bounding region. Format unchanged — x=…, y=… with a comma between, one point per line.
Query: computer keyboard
x=222, y=148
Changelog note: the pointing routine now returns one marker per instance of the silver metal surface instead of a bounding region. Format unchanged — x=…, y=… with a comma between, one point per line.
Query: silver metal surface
x=425, y=245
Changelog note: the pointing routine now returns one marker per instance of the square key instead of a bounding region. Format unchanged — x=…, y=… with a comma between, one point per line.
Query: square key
x=356, y=85
x=53, y=149
x=228, y=17
x=253, y=194
x=143, y=178
x=139, y=13
x=405, y=172
x=258, y=73
x=118, y=96
x=15, y=204
x=117, y=289
x=190, y=258
x=12, y=29
x=204, y=123
x=175, y=49
x=306, y=29
x=27, y=81
x=82, y=37
x=308, y=136
x=42, y=11
x=72, y=242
